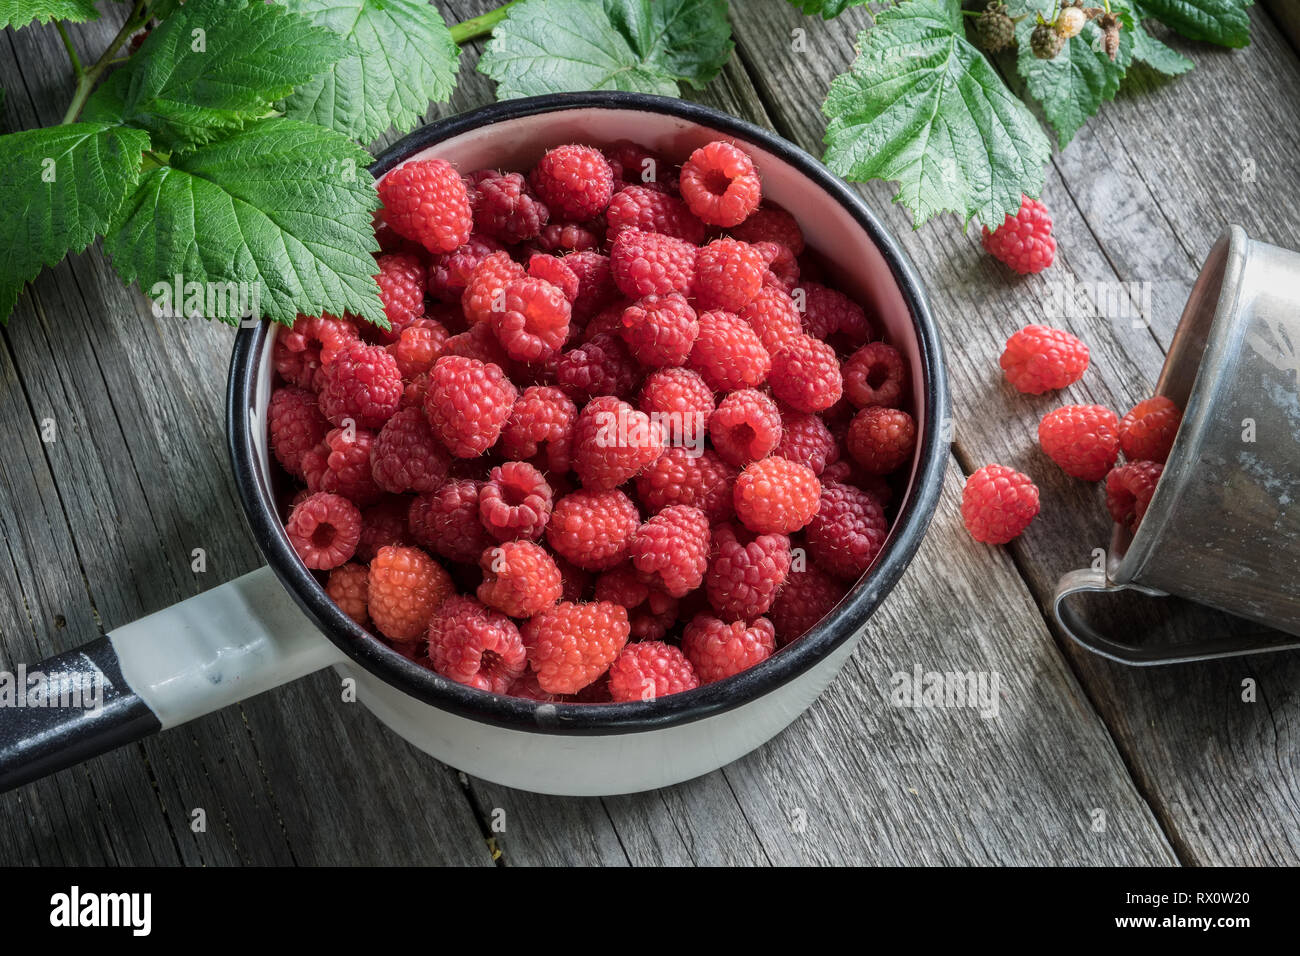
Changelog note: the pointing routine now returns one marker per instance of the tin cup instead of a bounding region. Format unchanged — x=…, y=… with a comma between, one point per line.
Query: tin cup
x=1223, y=527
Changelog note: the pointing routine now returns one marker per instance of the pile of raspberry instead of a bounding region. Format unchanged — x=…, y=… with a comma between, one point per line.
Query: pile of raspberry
x=622, y=437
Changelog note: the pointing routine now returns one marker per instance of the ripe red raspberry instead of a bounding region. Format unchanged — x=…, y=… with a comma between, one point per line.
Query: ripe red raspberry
x=808, y=596
x=613, y=442
x=651, y=611
x=720, y=185
x=881, y=439
x=596, y=287
x=672, y=549
x=475, y=645
x=728, y=353
x=1129, y=489
x=516, y=502
x=448, y=274
x=806, y=439
x=640, y=207
x=418, y=347
x=647, y=263
x=649, y=670
x=468, y=403
x=426, y=200
x=362, y=384
x=553, y=270
x=679, y=477
x=406, y=456
x=745, y=572
x=593, y=529
x=533, y=320
x=570, y=645
x=520, y=578
x=1023, y=241
x=635, y=165
x=680, y=393
x=827, y=312
x=296, y=425
x=805, y=375
x=299, y=352
x=560, y=237
x=525, y=686
x=659, y=330
x=772, y=314
x=782, y=266
x=771, y=223
x=340, y=465
x=600, y=366
x=847, y=532
x=998, y=503
x=447, y=521
x=1082, y=439
x=845, y=471
x=728, y=275
x=485, y=290
x=406, y=587
x=718, y=650
x=477, y=342
x=541, y=427
x=1147, y=432
x=505, y=209
x=1039, y=358
x=575, y=181
x=745, y=427
x=776, y=496
x=576, y=581
x=324, y=530
x=348, y=586
x=875, y=375
x=383, y=523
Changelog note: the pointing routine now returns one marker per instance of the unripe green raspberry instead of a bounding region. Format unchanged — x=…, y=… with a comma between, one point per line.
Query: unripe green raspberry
x=1045, y=42
x=994, y=30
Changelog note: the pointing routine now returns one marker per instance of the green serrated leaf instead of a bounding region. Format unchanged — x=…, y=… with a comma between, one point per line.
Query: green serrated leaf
x=19, y=13
x=1224, y=22
x=555, y=46
x=923, y=107
x=400, y=58
x=1155, y=54
x=829, y=9
x=281, y=205
x=213, y=66
x=59, y=188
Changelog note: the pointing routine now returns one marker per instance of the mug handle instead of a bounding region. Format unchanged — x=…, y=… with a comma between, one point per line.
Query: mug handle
x=1090, y=581
x=215, y=649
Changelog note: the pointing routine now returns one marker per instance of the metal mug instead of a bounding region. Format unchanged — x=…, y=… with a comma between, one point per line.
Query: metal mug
x=1221, y=529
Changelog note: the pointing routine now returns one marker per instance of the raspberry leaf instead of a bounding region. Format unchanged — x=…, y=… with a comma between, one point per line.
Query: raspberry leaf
x=59, y=188
x=647, y=46
x=282, y=205
x=829, y=9
x=1155, y=54
x=922, y=106
x=19, y=13
x=400, y=57
x=1224, y=22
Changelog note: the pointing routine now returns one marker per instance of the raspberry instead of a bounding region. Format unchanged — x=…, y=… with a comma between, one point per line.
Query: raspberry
x=485, y=289
x=526, y=687
x=681, y=394
x=728, y=275
x=771, y=223
x=313, y=341
x=875, y=375
x=324, y=530
x=1023, y=241
x=651, y=611
x=994, y=29
x=296, y=425
x=806, y=375
x=477, y=342
x=516, y=502
x=745, y=427
x=553, y=270
x=601, y=366
x=1039, y=358
x=595, y=282
x=1148, y=430
x=383, y=523
x=340, y=465
x=640, y=207
x=847, y=532
x=519, y=578
x=406, y=586
x=672, y=549
x=881, y=440
x=776, y=496
x=720, y=185
x=772, y=314
x=576, y=581
x=447, y=521
x=1082, y=439
x=718, y=650
x=782, y=266
x=1129, y=489
x=593, y=529
x=650, y=670
x=448, y=274
x=475, y=645
x=401, y=289
x=660, y=329
x=505, y=209
x=570, y=645
x=806, y=439
x=534, y=319
x=613, y=442
x=681, y=478
x=541, y=424
x=728, y=353
x=998, y=503
x=426, y=200
x=406, y=456
x=362, y=384
x=647, y=263
x=418, y=347
x=828, y=311
x=467, y=403
x=575, y=181
x=745, y=572
x=570, y=237
x=348, y=586
x=846, y=472
x=633, y=164
x=808, y=596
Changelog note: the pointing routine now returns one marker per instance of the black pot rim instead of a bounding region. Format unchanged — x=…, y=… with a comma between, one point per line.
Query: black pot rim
x=638, y=716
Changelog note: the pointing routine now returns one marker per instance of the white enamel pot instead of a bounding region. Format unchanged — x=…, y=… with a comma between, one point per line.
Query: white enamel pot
x=276, y=624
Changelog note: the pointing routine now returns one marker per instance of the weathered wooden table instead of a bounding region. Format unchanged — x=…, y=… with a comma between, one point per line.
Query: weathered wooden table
x=1086, y=763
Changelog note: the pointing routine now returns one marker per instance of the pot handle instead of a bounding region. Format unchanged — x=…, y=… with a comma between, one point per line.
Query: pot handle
x=215, y=649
